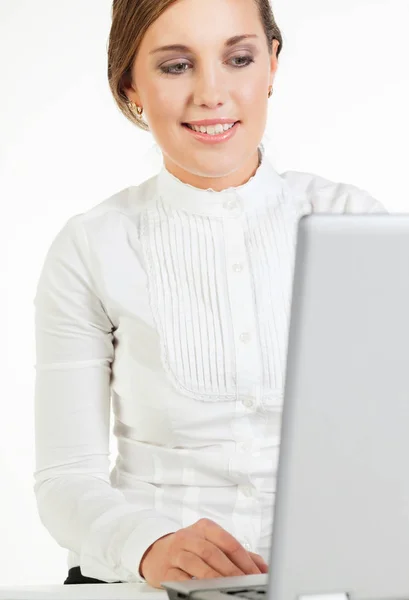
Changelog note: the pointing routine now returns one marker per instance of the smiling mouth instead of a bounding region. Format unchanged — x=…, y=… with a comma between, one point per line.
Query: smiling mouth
x=211, y=129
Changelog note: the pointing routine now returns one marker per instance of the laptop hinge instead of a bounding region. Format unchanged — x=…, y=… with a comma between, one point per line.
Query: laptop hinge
x=335, y=596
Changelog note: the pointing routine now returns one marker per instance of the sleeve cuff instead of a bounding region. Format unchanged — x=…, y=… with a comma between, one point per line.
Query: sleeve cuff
x=141, y=538
x=377, y=207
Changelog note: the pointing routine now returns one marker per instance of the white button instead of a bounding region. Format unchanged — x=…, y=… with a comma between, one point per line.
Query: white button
x=231, y=204
x=245, y=337
x=248, y=402
x=238, y=267
x=247, y=491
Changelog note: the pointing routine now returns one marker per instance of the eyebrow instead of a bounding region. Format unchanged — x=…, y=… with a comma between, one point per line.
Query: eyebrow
x=181, y=48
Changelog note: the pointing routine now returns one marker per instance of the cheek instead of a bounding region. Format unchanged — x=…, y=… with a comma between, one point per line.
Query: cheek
x=164, y=105
x=253, y=106
x=251, y=96
x=254, y=92
x=163, y=115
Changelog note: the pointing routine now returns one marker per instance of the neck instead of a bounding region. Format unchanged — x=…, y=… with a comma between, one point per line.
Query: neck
x=219, y=183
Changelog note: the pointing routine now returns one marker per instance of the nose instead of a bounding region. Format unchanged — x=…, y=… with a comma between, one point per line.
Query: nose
x=209, y=87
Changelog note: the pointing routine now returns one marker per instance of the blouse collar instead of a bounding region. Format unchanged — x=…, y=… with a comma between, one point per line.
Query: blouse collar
x=261, y=190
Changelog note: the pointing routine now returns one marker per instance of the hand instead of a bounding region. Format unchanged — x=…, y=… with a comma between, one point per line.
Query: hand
x=203, y=550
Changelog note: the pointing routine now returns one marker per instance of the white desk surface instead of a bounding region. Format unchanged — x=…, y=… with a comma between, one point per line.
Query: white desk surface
x=85, y=591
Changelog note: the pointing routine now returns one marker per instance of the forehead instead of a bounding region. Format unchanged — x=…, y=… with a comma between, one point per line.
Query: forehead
x=197, y=23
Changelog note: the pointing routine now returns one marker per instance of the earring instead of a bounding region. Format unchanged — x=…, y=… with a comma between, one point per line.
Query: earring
x=270, y=92
x=134, y=108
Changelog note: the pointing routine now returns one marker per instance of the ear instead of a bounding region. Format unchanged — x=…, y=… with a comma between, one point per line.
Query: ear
x=130, y=90
x=132, y=95
x=274, y=60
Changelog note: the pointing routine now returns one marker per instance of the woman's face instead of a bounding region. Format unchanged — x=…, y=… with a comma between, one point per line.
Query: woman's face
x=207, y=75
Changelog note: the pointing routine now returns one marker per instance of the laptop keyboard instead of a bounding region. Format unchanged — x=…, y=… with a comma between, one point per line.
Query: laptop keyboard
x=256, y=592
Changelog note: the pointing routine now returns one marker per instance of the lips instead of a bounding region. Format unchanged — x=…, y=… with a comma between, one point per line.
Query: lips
x=205, y=135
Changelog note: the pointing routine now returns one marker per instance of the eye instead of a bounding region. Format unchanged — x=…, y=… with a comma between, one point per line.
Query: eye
x=173, y=69
x=248, y=60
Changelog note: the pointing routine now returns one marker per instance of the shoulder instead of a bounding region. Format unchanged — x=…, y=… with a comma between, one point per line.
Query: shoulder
x=103, y=219
x=324, y=195
x=130, y=201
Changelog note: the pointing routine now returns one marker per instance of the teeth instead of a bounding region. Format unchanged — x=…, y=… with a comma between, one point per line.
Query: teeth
x=212, y=129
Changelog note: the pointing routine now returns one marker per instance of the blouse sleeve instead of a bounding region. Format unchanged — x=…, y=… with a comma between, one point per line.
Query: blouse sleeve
x=74, y=352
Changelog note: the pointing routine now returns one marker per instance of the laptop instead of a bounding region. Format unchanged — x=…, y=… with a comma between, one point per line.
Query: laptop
x=341, y=514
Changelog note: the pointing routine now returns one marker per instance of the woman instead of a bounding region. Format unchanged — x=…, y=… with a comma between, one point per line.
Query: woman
x=173, y=297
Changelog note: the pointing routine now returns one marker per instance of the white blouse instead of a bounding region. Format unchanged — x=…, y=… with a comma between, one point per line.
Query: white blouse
x=171, y=304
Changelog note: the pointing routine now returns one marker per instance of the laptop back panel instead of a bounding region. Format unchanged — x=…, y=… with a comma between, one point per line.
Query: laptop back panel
x=341, y=517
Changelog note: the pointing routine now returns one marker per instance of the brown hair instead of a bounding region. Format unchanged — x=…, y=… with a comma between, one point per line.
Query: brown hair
x=130, y=21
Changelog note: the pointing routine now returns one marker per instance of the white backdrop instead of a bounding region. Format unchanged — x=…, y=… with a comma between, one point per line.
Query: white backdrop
x=340, y=109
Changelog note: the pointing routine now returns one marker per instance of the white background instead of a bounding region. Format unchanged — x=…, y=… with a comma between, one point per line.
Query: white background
x=340, y=109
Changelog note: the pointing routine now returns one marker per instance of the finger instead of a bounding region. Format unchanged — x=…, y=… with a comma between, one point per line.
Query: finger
x=175, y=574
x=212, y=555
x=260, y=562
x=195, y=566
x=242, y=558
x=229, y=545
